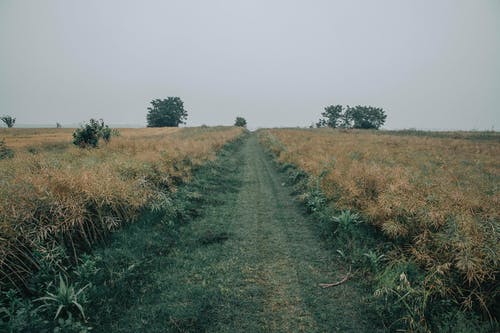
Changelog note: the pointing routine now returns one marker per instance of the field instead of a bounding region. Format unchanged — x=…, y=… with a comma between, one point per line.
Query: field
x=55, y=193
x=237, y=231
x=435, y=198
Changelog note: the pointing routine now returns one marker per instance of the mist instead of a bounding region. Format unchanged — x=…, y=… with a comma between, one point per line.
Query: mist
x=428, y=64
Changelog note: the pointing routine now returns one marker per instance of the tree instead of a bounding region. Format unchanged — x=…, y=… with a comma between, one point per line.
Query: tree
x=240, y=121
x=8, y=120
x=166, y=112
x=367, y=117
x=333, y=115
x=362, y=117
x=88, y=135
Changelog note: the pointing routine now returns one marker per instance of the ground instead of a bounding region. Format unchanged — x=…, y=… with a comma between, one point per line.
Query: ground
x=251, y=262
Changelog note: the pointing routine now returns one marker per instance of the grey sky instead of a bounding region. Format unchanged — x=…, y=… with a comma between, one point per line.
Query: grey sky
x=429, y=64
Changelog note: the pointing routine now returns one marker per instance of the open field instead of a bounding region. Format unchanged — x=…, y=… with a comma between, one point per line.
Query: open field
x=404, y=229
x=55, y=193
x=437, y=199
x=251, y=262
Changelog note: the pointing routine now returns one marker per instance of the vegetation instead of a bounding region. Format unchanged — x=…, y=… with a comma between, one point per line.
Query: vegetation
x=229, y=253
x=8, y=120
x=5, y=152
x=410, y=216
x=88, y=135
x=59, y=296
x=240, y=121
x=434, y=202
x=360, y=117
x=167, y=112
x=75, y=197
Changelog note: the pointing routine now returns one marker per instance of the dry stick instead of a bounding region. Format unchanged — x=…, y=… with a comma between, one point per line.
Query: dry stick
x=344, y=279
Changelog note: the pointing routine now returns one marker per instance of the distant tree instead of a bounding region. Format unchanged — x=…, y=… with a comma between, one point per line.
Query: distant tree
x=58, y=125
x=345, y=118
x=240, y=121
x=166, y=112
x=88, y=135
x=367, y=117
x=331, y=116
x=8, y=120
x=362, y=117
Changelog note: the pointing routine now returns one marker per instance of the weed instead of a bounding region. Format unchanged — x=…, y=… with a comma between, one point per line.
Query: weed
x=5, y=152
x=346, y=220
x=375, y=260
x=64, y=300
x=314, y=200
x=70, y=325
x=18, y=314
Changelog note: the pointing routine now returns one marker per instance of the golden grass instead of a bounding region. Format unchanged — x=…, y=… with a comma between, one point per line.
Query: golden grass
x=74, y=196
x=436, y=197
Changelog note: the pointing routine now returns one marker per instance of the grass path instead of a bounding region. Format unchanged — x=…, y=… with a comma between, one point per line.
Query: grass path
x=251, y=263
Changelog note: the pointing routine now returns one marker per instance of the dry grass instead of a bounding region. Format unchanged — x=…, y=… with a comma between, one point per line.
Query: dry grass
x=53, y=192
x=437, y=198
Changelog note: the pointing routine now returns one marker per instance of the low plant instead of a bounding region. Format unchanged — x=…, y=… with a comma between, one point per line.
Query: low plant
x=5, y=152
x=412, y=300
x=18, y=314
x=70, y=325
x=375, y=260
x=314, y=200
x=65, y=299
x=346, y=219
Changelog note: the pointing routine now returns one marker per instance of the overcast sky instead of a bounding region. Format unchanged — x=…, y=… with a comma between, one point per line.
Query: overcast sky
x=431, y=64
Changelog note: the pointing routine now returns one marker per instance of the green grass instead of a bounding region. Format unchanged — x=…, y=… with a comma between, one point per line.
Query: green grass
x=243, y=259
x=233, y=251
x=378, y=267
x=145, y=272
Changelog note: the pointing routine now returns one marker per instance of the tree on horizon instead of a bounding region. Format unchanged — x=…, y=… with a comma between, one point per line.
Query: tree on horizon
x=167, y=112
x=360, y=117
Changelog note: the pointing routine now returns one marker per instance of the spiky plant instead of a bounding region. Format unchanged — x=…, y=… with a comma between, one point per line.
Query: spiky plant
x=64, y=300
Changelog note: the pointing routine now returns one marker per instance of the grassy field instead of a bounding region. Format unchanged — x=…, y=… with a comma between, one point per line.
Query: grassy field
x=405, y=225
x=435, y=197
x=54, y=193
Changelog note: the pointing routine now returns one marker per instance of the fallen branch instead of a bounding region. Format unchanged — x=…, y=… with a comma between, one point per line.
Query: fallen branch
x=344, y=279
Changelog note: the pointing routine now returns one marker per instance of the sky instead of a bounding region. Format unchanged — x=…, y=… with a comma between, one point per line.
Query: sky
x=430, y=64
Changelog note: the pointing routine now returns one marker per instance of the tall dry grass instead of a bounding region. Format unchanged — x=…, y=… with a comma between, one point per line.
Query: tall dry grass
x=436, y=198
x=52, y=192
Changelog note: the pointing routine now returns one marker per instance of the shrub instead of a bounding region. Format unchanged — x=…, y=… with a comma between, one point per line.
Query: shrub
x=5, y=152
x=88, y=135
x=8, y=120
x=240, y=121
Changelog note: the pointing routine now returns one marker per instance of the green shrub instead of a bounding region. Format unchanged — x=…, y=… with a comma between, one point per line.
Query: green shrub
x=5, y=152
x=18, y=314
x=88, y=135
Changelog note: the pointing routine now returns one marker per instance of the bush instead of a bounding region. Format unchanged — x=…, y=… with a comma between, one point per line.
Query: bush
x=240, y=121
x=5, y=152
x=89, y=134
x=8, y=120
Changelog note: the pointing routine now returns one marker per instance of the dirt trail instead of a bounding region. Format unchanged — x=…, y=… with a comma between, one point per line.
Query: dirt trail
x=282, y=255
x=251, y=263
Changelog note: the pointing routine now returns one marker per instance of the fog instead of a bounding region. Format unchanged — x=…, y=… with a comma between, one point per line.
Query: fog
x=431, y=64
